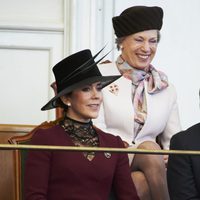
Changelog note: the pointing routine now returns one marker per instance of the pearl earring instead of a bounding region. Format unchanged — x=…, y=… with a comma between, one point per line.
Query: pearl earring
x=68, y=104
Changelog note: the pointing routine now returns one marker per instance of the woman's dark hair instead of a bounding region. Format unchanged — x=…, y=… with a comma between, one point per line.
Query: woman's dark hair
x=118, y=41
x=61, y=103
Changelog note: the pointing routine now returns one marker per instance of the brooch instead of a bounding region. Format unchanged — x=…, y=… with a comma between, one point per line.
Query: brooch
x=107, y=155
x=113, y=88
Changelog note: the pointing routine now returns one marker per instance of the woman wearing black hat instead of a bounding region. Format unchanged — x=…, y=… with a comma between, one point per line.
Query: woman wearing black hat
x=76, y=175
x=140, y=106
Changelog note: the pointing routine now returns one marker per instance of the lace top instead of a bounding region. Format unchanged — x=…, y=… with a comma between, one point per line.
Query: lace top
x=82, y=134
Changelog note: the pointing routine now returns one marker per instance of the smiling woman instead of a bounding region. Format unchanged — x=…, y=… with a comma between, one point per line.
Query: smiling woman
x=84, y=103
x=77, y=175
x=139, y=49
x=144, y=111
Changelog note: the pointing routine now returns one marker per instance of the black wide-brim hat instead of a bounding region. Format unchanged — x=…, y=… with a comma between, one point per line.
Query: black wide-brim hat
x=137, y=19
x=75, y=71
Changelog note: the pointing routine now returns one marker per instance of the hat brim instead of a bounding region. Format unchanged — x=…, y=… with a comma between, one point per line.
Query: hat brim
x=105, y=80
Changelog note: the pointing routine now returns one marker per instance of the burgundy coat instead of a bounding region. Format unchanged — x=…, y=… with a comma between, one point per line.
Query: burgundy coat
x=64, y=175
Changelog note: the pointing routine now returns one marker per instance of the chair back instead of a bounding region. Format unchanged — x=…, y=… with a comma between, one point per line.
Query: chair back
x=7, y=163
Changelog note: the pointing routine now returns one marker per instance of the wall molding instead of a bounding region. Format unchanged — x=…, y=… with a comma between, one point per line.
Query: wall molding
x=59, y=28
x=50, y=114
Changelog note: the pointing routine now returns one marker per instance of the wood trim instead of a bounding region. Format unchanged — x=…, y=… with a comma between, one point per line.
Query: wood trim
x=30, y=130
x=16, y=128
x=9, y=169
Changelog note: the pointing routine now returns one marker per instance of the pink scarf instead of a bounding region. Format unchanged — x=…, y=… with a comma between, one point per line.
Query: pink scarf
x=156, y=82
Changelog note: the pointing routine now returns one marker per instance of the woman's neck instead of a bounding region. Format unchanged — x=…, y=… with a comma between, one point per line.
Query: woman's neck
x=77, y=120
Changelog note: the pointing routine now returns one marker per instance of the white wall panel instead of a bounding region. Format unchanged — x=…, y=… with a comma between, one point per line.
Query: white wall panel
x=31, y=12
x=25, y=74
x=24, y=81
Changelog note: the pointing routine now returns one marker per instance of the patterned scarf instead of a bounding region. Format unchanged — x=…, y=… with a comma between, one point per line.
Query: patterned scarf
x=156, y=82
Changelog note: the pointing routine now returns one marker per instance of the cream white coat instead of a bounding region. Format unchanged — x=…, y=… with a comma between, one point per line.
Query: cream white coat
x=117, y=112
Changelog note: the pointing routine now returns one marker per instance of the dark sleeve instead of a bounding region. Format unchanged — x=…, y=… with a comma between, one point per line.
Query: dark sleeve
x=37, y=168
x=123, y=185
x=181, y=182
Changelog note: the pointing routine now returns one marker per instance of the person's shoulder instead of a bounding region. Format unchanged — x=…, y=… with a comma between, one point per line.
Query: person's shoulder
x=49, y=130
x=105, y=62
x=43, y=135
x=188, y=134
x=109, y=138
x=107, y=67
x=104, y=134
x=194, y=130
